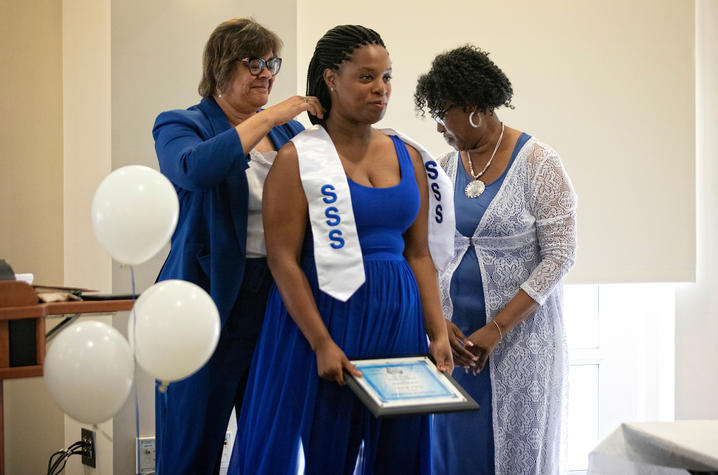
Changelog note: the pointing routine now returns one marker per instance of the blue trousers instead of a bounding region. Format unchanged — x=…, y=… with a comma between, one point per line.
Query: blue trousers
x=191, y=416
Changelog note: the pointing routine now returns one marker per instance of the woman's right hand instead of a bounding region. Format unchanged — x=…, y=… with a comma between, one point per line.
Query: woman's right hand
x=459, y=342
x=290, y=108
x=331, y=362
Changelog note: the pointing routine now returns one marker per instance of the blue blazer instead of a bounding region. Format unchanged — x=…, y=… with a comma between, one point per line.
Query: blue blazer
x=201, y=154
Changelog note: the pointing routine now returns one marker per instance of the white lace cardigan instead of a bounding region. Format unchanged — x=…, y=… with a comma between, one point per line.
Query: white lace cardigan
x=526, y=239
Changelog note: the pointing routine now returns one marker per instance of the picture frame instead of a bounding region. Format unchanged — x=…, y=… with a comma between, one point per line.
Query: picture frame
x=407, y=385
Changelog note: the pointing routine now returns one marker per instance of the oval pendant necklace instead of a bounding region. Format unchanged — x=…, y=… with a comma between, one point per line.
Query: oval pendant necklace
x=476, y=186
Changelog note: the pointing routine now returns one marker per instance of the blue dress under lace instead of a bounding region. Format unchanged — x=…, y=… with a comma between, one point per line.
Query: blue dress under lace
x=463, y=442
x=291, y=419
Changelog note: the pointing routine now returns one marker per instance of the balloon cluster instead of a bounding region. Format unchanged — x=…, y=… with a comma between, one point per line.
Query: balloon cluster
x=174, y=325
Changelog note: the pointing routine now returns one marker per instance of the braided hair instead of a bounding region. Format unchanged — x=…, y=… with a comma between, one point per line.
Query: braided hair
x=464, y=77
x=336, y=46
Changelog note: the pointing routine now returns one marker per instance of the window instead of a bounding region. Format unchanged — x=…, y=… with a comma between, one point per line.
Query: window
x=621, y=360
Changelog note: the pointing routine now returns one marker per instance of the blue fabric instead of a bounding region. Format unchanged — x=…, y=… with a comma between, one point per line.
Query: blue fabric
x=292, y=417
x=463, y=442
x=201, y=154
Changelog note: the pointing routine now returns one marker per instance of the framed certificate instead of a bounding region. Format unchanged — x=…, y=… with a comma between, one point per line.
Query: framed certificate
x=407, y=385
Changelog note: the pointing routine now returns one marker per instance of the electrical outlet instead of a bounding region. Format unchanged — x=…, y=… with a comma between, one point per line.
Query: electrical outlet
x=88, y=452
x=146, y=448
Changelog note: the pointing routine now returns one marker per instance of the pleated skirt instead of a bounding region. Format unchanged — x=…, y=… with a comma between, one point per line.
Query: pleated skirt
x=292, y=421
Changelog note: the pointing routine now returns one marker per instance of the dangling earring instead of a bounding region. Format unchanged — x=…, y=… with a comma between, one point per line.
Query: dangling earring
x=471, y=120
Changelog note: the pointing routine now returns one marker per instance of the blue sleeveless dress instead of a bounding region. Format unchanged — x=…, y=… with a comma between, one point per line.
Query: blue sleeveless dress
x=463, y=442
x=291, y=419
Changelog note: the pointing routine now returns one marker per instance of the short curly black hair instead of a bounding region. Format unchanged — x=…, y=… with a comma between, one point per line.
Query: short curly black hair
x=464, y=77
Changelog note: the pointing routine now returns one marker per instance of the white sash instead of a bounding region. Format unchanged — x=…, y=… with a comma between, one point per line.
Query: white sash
x=442, y=222
x=337, y=253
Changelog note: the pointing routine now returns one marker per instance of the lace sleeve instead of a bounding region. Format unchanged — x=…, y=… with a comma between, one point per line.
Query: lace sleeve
x=554, y=206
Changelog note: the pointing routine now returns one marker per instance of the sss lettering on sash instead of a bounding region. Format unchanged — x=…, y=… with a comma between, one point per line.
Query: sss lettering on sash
x=336, y=241
x=432, y=174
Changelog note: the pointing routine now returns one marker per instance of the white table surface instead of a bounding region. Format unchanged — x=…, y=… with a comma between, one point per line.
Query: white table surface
x=657, y=448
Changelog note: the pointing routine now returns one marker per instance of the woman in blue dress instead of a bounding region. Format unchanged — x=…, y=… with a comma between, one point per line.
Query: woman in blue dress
x=297, y=415
x=501, y=293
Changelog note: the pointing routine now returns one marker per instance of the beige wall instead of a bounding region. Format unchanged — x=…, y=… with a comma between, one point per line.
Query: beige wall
x=609, y=84
x=31, y=237
x=31, y=138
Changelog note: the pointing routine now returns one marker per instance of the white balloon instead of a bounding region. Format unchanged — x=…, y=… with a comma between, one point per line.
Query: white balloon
x=177, y=329
x=89, y=370
x=134, y=213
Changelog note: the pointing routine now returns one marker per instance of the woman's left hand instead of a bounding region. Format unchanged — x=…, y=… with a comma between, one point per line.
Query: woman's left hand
x=485, y=340
x=441, y=352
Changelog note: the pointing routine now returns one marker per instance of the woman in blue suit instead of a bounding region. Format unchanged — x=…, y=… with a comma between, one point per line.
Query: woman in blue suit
x=217, y=154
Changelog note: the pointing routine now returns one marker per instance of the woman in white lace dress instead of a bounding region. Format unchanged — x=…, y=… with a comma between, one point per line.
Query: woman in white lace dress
x=501, y=294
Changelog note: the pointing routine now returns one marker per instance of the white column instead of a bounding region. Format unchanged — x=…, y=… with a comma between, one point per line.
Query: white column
x=697, y=304
x=87, y=160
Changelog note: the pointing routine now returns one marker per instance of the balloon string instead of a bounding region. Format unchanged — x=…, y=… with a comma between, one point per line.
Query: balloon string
x=134, y=354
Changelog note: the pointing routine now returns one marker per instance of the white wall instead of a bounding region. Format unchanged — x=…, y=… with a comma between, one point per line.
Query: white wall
x=86, y=152
x=697, y=304
x=609, y=84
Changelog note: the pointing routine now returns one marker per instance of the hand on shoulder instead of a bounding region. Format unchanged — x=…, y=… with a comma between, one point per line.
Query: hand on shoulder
x=290, y=108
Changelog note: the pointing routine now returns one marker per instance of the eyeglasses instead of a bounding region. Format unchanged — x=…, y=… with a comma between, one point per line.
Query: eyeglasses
x=257, y=65
x=440, y=114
